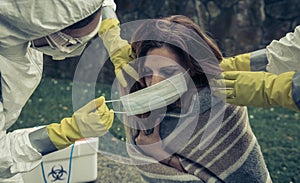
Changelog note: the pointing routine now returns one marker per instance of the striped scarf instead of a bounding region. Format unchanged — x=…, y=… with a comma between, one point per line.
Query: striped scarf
x=213, y=144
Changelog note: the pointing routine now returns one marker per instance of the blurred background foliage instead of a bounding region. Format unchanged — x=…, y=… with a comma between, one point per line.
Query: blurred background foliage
x=237, y=26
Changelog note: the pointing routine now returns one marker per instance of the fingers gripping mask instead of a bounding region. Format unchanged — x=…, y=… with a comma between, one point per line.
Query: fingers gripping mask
x=61, y=45
x=156, y=96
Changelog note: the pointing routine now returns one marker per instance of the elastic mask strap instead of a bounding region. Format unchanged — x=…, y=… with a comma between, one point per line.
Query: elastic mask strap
x=117, y=100
x=120, y=112
x=111, y=101
x=186, y=71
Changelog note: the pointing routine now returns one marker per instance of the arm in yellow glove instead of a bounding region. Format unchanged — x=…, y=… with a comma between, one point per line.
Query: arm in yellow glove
x=260, y=89
x=119, y=50
x=92, y=120
x=253, y=61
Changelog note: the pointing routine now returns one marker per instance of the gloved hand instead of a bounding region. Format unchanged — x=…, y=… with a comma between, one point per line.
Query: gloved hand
x=237, y=63
x=119, y=50
x=260, y=89
x=253, y=61
x=109, y=3
x=92, y=120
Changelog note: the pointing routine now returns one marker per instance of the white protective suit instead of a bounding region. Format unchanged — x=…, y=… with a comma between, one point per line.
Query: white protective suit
x=21, y=69
x=284, y=55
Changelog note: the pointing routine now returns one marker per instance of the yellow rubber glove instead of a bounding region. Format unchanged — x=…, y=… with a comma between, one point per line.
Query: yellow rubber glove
x=119, y=50
x=237, y=63
x=260, y=89
x=92, y=120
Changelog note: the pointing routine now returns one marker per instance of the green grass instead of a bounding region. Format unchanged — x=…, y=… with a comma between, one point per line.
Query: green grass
x=276, y=129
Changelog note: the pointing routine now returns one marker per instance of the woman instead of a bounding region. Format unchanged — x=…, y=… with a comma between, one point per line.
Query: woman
x=196, y=138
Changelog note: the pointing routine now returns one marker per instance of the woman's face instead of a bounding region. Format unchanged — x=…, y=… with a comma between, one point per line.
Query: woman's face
x=161, y=63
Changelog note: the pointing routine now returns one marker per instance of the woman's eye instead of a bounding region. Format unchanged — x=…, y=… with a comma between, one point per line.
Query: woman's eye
x=169, y=73
x=147, y=72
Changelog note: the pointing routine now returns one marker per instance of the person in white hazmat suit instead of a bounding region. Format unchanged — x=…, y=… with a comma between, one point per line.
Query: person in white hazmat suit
x=29, y=28
x=264, y=78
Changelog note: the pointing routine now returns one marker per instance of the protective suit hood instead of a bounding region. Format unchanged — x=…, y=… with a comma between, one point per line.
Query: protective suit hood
x=25, y=20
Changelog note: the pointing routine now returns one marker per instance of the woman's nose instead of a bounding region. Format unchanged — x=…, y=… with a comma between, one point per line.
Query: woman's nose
x=156, y=79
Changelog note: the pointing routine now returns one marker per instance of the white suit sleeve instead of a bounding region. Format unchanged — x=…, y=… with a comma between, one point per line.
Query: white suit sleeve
x=284, y=55
x=17, y=154
x=21, y=69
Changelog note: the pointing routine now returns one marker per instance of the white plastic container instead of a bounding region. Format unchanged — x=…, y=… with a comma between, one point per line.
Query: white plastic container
x=56, y=167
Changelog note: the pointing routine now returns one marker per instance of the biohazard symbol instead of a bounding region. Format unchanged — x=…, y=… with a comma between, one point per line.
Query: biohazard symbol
x=57, y=173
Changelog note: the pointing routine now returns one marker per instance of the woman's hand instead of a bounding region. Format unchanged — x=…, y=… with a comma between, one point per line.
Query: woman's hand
x=151, y=144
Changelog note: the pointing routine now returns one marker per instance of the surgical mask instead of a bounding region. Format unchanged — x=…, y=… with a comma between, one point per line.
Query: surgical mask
x=154, y=97
x=61, y=45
